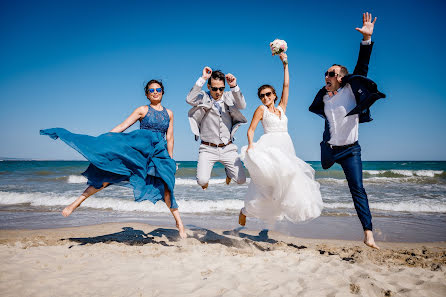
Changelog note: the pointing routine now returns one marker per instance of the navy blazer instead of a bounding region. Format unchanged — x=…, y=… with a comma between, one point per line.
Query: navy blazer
x=365, y=91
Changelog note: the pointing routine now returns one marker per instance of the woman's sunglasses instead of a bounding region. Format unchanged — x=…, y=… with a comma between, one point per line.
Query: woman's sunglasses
x=267, y=94
x=159, y=90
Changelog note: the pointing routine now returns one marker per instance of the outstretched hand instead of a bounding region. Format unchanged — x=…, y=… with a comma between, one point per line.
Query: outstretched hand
x=367, y=26
x=232, y=81
x=284, y=58
x=207, y=71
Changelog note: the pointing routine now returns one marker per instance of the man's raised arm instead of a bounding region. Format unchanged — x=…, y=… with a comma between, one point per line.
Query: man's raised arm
x=239, y=99
x=362, y=65
x=195, y=96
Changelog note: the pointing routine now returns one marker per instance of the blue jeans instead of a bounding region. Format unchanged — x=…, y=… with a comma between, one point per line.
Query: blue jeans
x=350, y=160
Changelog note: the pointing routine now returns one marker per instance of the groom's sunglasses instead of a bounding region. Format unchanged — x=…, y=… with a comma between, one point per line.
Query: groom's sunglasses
x=159, y=90
x=330, y=74
x=267, y=94
x=216, y=89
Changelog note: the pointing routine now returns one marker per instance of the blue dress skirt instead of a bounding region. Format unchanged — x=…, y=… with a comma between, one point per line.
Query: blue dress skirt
x=138, y=159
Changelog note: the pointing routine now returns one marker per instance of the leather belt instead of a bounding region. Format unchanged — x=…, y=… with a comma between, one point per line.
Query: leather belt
x=215, y=145
x=342, y=146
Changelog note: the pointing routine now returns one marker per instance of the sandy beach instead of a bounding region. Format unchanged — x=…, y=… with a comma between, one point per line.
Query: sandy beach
x=135, y=259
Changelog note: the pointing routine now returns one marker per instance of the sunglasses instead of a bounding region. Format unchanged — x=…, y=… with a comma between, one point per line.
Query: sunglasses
x=267, y=94
x=216, y=89
x=330, y=74
x=159, y=90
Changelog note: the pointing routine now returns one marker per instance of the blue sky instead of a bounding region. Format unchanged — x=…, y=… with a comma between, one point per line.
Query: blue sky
x=82, y=65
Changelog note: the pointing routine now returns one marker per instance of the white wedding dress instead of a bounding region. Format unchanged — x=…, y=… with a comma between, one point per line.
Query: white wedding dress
x=282, y=185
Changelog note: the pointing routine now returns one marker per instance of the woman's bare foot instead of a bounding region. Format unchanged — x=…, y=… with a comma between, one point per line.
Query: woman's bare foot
x=69, y=209
x=241, y=219
x=182, y=231
x=87, y=193
x=369, y=240
x=228, y=180
x=205, y=186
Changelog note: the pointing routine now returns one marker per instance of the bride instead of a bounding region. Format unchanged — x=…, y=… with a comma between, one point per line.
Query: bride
x=282, y=185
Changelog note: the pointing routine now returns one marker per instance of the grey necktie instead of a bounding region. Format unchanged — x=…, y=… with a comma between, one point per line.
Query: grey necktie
x=218, y=106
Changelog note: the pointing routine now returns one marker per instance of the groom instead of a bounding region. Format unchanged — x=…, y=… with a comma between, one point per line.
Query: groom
x=215, y=117
x=344, y=102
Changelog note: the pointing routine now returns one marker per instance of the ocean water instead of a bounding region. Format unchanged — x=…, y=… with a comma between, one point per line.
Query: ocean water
x=406, y=197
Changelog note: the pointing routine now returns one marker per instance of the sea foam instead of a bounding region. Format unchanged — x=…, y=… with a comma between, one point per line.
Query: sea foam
x=407, y=173
x=196, y=206
x=76, y=179
x=420, y=206
x=119, y=204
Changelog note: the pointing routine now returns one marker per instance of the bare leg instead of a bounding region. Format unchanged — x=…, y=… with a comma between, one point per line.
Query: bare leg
x=87, y=193
x=175, y=213
x=369, y=240
x=241, y=219
x=204, y=187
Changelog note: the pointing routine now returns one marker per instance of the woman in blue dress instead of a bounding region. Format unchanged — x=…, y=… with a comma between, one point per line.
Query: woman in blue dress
x=141, y=159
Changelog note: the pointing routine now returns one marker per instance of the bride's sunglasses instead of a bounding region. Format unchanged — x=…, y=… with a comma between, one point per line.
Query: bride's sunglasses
x=216, y=89
x=159, y=90
x=267, y=94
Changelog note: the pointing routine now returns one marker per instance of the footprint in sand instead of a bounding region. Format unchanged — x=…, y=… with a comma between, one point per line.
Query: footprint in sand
x=355, y=289
x=207, y=272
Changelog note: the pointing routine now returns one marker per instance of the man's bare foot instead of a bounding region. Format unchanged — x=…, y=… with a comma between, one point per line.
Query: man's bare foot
x=182, y=231
x=205, y=186
x=369, y=240
x=241, y=219
x=68, y=210
x=228, y=180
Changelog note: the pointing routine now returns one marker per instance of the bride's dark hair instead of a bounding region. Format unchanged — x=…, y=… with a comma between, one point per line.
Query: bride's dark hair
x=267, y=87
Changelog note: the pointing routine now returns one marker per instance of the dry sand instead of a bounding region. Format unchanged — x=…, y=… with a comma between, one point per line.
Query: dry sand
x=133, y=259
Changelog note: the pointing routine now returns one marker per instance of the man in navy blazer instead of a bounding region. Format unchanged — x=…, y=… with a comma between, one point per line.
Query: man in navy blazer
x=344, y=102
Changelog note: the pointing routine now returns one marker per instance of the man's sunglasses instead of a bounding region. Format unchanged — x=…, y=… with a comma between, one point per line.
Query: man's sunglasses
x=267, y=94
x=159, y=90
x=331, y=74
x=216, y=89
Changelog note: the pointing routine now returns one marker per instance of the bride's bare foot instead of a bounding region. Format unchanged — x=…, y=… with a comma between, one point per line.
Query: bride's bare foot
x=68, y=210
x=228, y=180
x=182, y=231
x=241, y=219
x=369, y=240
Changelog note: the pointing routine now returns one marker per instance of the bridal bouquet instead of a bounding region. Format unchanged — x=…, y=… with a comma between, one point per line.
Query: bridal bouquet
x=278, y=46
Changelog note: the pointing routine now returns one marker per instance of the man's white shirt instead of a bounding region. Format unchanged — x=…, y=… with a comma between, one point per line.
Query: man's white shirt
x=343, y=130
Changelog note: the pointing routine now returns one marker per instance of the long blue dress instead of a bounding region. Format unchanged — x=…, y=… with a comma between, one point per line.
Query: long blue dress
x=138, y=159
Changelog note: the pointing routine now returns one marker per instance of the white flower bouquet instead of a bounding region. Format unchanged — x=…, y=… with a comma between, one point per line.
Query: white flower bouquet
x=278, y=46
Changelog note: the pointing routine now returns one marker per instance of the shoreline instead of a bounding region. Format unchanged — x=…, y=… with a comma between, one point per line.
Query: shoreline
x=135, y=259
x=428, y=228
x=7, y=236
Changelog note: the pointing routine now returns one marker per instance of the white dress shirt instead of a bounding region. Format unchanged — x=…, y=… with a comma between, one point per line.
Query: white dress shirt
x=343, y=130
